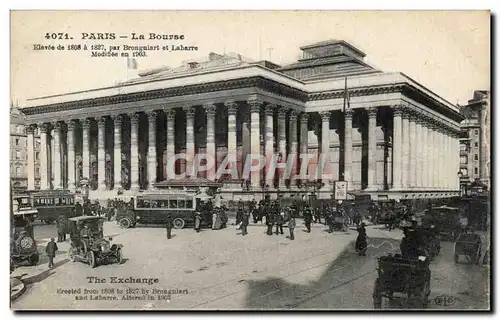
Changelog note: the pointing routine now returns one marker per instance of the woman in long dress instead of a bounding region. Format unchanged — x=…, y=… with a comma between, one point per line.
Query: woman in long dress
x=361, y=243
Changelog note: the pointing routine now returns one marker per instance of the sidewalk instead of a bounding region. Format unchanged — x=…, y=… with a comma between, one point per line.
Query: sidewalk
x=17, y=288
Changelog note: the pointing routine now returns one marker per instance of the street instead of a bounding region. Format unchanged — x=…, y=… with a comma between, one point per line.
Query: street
x=222, y=269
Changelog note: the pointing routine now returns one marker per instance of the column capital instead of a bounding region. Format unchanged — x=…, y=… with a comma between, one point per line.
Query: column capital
x=117, y=119
x=189, y=110
x=348, y=113
x=152, y=115
x=254, y=104
x=101, y=121
x=269, y=109
x=71, y=125
x=325, y=115
x=398, y=110
x=85, y=122
x=231, y=106
x=293, y=115
x=210, y=109
x=372, y=112
x=45, y=127
x=282, y=113
x=304, y=118
x=58, y=126
x=134, y=117
x=170, y=113
x=30, y=129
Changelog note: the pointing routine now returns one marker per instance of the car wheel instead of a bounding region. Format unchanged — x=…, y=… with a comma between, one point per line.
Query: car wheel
x=71, y=255
x=125, y=223
x=92, y=260
x=179, y=223
x=33, y=259
x=119, y=256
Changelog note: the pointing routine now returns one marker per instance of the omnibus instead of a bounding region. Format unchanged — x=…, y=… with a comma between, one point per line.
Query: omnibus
x=49, y=204
x=152, y=208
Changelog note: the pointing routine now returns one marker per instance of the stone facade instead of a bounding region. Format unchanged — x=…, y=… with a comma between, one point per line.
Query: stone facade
x=386, y=141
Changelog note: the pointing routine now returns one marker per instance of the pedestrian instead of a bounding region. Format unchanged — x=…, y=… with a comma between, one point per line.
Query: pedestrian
x=269, y=222
x=245, y=222
x=361, y=243
x=291, y=226
x=308, y=218
x=280, y=219
x=51, y=250
x=239, y=216
x=61, y=228
x=197, y=221
x=169, y=226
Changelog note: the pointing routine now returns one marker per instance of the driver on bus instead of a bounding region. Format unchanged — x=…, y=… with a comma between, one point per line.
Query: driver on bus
x=85, y=232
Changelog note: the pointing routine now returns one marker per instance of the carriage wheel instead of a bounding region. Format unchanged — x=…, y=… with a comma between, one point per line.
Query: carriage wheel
x=91, y=259
x=178, y=223
x=377, y=295
x=125, y=223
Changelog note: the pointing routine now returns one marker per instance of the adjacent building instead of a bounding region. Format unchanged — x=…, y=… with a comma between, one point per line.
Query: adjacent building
x=385, y=134
x=19, y=154
x=475, y=139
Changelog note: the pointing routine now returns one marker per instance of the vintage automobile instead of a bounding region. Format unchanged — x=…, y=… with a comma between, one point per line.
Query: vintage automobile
x=468, y=245
x=23, y=244
x=88, y=243
x=410, y=276
x=152, y=208
x=339, y=222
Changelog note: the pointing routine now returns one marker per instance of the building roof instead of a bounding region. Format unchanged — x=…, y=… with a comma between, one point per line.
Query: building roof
x=187, y=182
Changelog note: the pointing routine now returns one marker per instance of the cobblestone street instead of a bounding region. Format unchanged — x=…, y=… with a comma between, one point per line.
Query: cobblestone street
x=224, y=270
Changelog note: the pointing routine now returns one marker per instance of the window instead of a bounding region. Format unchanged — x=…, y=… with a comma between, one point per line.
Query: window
x=20, y=129
x=463, y=159
x=18, y=171
x=182, y=204
x=476, y=144
x=189, y=204
x=37, y=171
x=464, y=172
x=476, y=171
x=476, y=132
x=476, y=157
x=18, y=155
x=17, y=142
x=172, y=204
x=37, y=156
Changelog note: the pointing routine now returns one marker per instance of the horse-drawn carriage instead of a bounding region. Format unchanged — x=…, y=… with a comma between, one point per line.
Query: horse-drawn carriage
x=410, y=276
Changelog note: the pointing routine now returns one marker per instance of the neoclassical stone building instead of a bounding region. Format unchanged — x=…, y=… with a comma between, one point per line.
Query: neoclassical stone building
x=394, y=139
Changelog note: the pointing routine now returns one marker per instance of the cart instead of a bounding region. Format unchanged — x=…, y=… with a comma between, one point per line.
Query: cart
x=468, y=245
x=339, y=223
x=400, y=275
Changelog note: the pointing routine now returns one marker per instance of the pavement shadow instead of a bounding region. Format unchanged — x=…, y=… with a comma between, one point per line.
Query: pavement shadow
x=335, y=283
x=42, y=276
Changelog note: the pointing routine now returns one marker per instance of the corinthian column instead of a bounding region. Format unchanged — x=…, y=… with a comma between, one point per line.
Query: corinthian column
x=432, y=166
x=134, y=151
x=348, y=114
x=117, y=155
x=282, y=145
x=30, y=130
x=255, y=105
x=152, y=163
x=397, y=149
x=170, y=141
x=85, y=147
x=304, y=149
x=441, y=160
x=324, y=160
x=44, y=168
x=71, y=155
x=413, y=154
x=405, y=165
x=57, y=155
x=210, y=109
x=101, y=153
x=372, y=148
x=189, y=140
x=292, y=129
x=269, y=112
x=231, y=135
x=419, y=153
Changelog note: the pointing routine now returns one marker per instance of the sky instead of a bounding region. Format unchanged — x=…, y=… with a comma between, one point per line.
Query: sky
x=446, y=51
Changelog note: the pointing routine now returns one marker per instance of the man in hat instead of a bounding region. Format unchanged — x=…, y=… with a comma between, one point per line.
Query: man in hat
x=245, y=222
x=291, y=225
x=169, y=226
x=51, y=250
x=308, y=218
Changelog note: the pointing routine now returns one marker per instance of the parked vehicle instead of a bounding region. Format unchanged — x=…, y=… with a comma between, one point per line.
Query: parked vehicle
x=447, y=221
x=88, y=243
x=23, y=244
